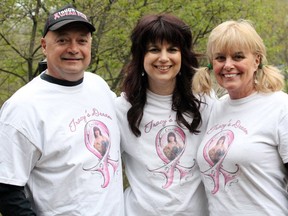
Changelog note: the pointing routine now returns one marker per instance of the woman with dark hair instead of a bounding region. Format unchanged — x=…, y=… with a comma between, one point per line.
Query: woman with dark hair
x=156, y=100
x=101, y=142
x=173, y=148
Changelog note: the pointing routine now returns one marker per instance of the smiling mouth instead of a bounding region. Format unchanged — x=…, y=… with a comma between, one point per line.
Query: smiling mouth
x=71, y=59
x=163, y=67
x=229, y=75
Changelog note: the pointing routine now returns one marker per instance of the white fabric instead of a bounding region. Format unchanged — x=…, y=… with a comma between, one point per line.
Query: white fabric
x=46, y=133
x=246, y=175
x=158, y=185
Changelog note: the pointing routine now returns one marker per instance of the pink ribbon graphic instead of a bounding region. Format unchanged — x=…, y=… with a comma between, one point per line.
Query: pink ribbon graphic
x=214, y=153
x=171, y=157
x=95, y=129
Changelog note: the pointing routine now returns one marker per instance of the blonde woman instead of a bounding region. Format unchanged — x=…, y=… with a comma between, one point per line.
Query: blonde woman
x=250, y=177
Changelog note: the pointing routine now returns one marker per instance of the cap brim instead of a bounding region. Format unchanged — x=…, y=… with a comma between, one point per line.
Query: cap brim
x=65, y=22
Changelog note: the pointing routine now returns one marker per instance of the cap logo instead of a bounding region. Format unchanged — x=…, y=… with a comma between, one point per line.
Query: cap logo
x=65, y=16
x=69, y=12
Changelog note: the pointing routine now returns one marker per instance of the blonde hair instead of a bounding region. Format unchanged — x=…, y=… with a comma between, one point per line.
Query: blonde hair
x=238, y=35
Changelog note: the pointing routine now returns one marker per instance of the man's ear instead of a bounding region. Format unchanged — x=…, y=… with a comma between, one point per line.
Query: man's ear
x=43, y=45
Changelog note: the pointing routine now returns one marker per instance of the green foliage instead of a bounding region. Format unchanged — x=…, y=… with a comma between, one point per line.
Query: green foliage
x=21, y=31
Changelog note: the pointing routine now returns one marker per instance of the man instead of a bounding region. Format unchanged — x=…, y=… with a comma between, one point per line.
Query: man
x=48, y=164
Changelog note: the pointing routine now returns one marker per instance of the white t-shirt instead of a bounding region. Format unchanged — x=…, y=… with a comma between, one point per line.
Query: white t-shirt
x=242, y=155
x=164, y=176
x=48, y=142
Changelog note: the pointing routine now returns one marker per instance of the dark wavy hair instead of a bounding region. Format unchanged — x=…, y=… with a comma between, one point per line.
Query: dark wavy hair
x=153, y=29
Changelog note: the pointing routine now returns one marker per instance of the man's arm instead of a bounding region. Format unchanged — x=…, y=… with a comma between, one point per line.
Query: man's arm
x=13, y=201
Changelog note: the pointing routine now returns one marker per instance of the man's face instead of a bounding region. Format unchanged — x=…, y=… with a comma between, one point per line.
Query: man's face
x=68, y=51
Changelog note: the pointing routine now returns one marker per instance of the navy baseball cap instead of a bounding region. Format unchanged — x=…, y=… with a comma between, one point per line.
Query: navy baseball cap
x=64, y=16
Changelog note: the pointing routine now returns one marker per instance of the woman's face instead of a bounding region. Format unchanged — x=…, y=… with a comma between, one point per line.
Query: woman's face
x=235, y=72
x=162, y=62
x=171, y=138
x=97, y=132
x=221, y=141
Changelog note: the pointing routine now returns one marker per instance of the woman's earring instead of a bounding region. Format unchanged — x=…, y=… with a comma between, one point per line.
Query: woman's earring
x=255, y=79
x=142, y=74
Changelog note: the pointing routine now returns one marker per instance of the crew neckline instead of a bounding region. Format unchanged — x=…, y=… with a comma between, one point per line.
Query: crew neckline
x=54, y=80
